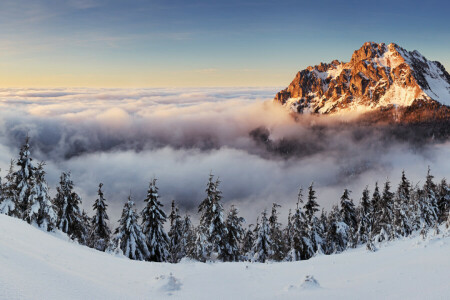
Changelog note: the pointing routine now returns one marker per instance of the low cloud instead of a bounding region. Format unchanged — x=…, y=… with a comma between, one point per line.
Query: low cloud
x=123, y=138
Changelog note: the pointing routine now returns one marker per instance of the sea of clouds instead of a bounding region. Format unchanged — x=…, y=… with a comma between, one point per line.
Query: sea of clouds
x=125, y=137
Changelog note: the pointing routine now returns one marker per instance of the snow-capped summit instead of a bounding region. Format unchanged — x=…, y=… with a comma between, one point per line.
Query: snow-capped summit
x=377, y=76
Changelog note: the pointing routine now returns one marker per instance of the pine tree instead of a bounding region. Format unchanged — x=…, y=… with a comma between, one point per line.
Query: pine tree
x=402, y=202
x=443, y=200
x=263, y=243
x=100, y=233
x=85, y=227
x=428, y=207
x=311, y=206
x=8, y=202
x=40, y=208
x=24, y=180
x=247, y=243
x=386, y=212
x=337, y=233
x=175, y=235
x=67, y=204
x=276, y=235
x=365, y=218
x=348, y=215
x=153, y=218
x=188, y=238
x=288, y=235
x=315, y=231
x=376, y=205
x=301, y=247
x=129, y=236
x=212, y=219
x=202, y=250
x=235, y=233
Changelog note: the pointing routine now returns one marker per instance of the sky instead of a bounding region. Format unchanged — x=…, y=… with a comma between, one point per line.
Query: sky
x=196, y=43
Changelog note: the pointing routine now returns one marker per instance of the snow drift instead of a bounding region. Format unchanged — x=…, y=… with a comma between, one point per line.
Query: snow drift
x=39, y=265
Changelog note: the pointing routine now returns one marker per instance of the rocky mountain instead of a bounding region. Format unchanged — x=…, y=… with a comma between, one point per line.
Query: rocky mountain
x=379, y=77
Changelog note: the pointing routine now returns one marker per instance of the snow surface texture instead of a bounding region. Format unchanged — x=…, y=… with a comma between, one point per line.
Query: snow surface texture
x=38, y=265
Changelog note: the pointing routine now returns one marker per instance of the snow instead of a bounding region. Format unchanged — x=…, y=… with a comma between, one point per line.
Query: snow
x=39, y=265
x=439, y=88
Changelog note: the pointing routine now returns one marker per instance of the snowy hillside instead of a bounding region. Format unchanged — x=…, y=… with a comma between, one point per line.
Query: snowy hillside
x=38, y=265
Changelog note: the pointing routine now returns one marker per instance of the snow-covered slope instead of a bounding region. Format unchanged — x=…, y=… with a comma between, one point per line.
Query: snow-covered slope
x=38, y=265
x=377, y=76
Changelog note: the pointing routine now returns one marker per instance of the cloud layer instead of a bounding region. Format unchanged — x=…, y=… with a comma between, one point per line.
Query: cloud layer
x=262, y=155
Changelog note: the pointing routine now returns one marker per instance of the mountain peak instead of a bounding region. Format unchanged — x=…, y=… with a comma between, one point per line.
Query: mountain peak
x=377, y=76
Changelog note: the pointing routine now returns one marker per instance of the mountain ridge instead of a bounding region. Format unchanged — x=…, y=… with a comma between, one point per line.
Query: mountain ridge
x=378, y=76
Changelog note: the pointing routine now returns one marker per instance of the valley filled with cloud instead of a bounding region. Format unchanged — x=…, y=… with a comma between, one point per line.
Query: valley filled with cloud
x=261, y=153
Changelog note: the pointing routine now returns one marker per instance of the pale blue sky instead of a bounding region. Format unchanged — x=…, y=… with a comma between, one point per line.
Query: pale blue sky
x=202, y=43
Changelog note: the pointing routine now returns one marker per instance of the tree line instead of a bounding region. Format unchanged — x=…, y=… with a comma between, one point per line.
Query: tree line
x=383, y=215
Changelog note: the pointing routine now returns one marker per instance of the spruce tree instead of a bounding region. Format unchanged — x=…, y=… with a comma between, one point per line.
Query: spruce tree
x=443, y=201
x=129, y=236
x=25, y=180
x=276, y=235
x=67, y=204
x=376, y=205
x=315, y=231
x=337, y=233
x=365, y=218
x=153, y=218
x=175, y=235
x=402, y=202
x=301, y=247
x=247, y=243
x=212, y=219
x=386, y=214
x=235, y=233
x=8, y=202
x=348, y=215
x=188, y=238
x=202, y=248
x=263, y=243
x=427, y=206
x=40, y=208
x=100, y=233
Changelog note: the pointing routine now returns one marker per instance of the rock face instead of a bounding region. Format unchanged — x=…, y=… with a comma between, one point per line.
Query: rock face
x=377, y=76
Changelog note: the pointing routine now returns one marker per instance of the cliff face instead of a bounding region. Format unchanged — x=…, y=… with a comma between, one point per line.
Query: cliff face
x=377, y=76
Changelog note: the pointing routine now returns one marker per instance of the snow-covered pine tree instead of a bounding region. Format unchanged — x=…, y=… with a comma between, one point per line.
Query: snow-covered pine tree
x=129, y=235
x=337, y=233
x=247, y=243
x=188, y=238
x=9, y=198
x=443, y=200
x=262, y=247
x=40, y=209
x=288, y=235
x=402, y=219
x=24, y=180
x=67, y=205
x=428, y=207
x=348, y=215
x=386, y=218
x=202, y=250
x=376, y=205
x=301, y=247
x=175, y=235
x=100, y=233
x=315, y=231
x=276, y=235
x=153, y=218
x=212, y=219
x=86, y=227
x=365, y=217
x=235, y=233
x=311, y=206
